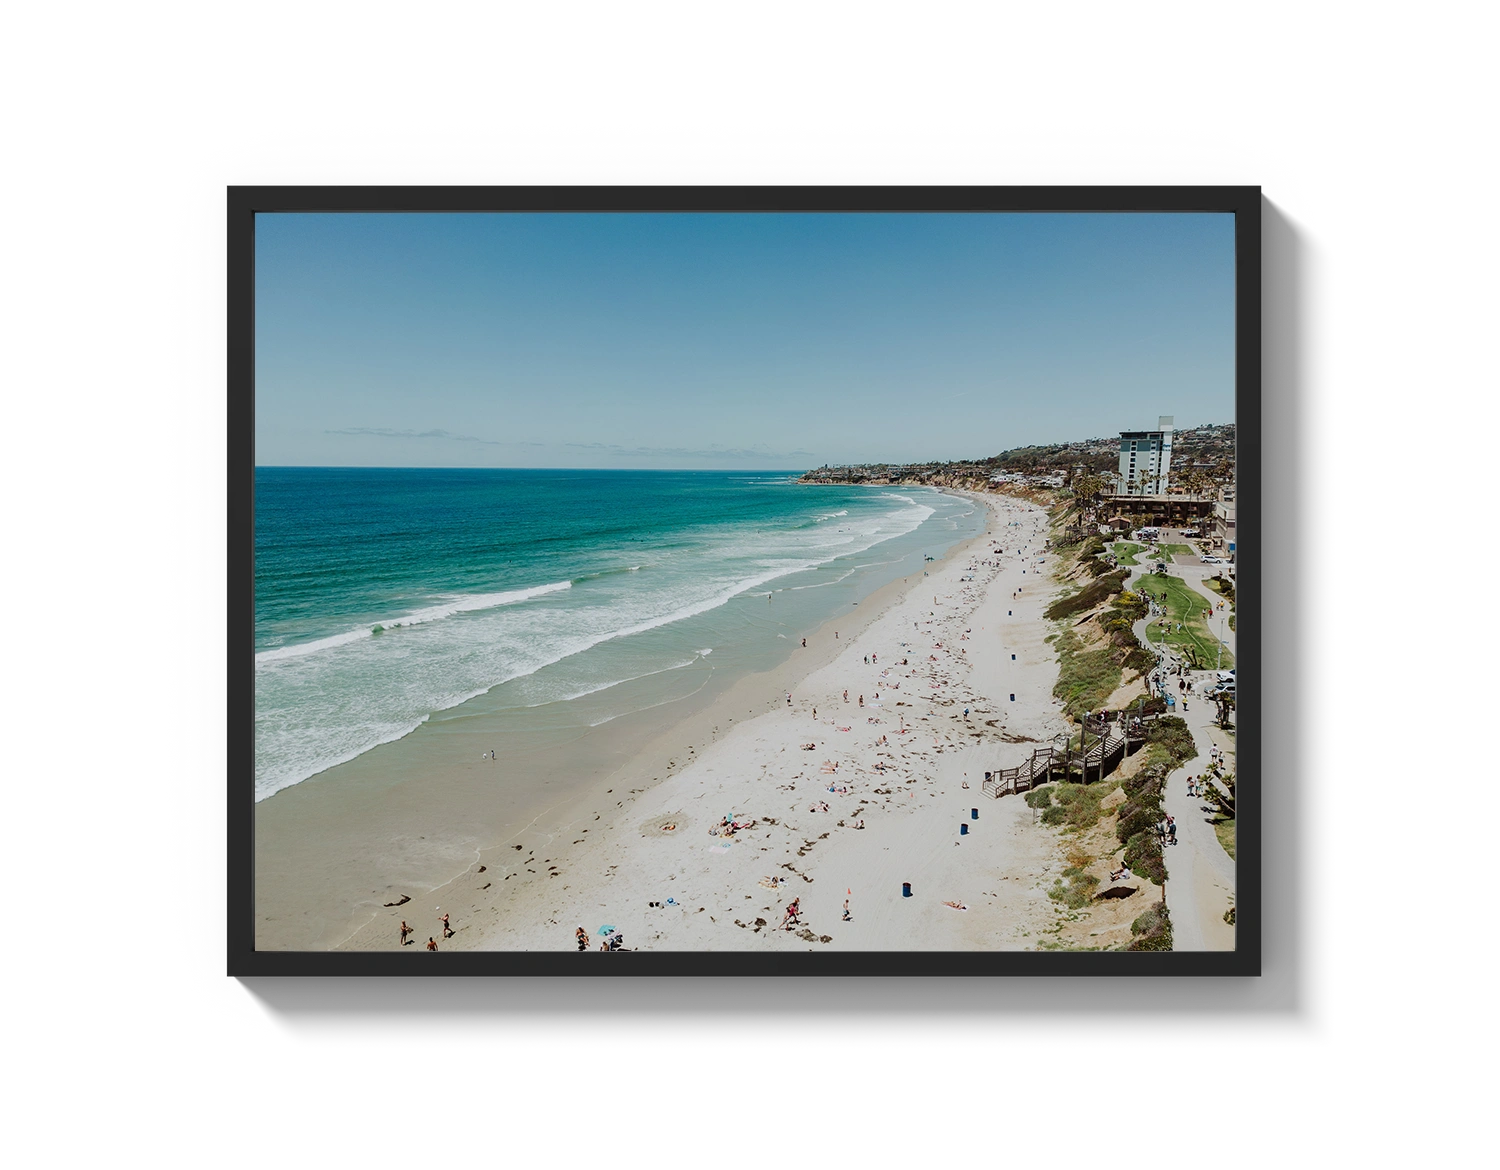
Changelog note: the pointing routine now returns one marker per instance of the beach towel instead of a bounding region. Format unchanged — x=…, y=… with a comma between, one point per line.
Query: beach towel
x=724, y=848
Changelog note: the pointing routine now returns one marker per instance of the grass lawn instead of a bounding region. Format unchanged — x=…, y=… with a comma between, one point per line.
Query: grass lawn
x=1186, y=605
x=1178, y=550
x=1125, y=552
x=1224, y=831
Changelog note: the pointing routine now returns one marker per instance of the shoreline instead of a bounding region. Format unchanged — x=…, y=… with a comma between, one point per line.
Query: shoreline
x=426, y=811
x=604, y=846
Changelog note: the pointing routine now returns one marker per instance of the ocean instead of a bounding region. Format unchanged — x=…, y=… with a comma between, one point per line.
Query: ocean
x=557, y=600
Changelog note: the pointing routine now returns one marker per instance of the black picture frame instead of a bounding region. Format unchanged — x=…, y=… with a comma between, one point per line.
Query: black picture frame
x=1284, y=335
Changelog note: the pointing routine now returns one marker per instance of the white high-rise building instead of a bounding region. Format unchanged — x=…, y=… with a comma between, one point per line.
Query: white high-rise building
x=1145, y=460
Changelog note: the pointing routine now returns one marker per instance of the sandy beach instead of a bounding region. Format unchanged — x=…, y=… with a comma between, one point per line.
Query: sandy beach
x=646, y=850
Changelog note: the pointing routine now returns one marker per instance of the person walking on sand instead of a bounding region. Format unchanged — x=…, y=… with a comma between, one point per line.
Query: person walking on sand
x=447, y=930
x=405, y=930
x=846, y=909
x=431, y=943
x=846, y=694
x=583, y=938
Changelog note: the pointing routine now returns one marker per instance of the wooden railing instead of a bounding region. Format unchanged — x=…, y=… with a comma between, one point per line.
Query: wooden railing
x=1112, y=743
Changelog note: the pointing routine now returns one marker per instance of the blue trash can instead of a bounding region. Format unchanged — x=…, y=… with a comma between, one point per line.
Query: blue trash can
x=963, y=828
x=973, y=814
x=1012, y=698
x=906, y=889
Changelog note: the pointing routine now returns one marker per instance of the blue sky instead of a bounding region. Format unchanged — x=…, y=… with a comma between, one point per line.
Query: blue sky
x=765, y=341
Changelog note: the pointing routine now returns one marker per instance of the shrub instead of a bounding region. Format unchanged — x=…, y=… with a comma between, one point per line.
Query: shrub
x=1077, y=804
x=1078, y=892
x=1172, y=734
x=1151, y=774
x=1140, y=660
x=1088, y=597
x=1152, y=930
x=1133, y=819
x=1040, y=797
x=1143, y=855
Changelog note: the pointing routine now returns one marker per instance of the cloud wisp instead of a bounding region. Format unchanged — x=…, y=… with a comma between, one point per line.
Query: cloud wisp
x=711, y=452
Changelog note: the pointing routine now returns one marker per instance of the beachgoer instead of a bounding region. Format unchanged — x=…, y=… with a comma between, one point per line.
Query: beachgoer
x=447, y=930
x=583, y=938
x=846, y=696
x=405, y=930
x=861, y=700
x=431, y=943
x=846, y=909
x=804, y=643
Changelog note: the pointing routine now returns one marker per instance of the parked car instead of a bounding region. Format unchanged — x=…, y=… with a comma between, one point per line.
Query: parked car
x=1211, y=560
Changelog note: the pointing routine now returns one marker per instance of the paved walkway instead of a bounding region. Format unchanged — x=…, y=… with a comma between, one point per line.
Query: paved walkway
x=1200, y=875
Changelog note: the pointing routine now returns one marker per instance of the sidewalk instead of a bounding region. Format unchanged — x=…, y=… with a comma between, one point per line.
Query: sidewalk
x=1200, y=875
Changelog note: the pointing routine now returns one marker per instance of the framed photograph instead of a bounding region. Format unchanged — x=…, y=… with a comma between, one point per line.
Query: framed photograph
x=805, y=581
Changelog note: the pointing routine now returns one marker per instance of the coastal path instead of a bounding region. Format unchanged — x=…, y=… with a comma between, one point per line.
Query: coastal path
x=1200, y=874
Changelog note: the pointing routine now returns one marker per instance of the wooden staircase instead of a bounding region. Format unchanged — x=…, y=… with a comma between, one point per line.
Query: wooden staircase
x=1112, y=743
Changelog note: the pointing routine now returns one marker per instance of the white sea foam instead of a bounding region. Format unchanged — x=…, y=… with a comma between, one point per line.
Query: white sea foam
x=469, y=603
x=618, y=682
x=317, y=710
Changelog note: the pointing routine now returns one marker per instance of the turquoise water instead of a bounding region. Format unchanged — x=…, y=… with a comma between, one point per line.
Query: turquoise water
x=386, y=596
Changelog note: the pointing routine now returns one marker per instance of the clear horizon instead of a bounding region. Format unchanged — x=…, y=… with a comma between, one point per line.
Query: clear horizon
x=731, y=342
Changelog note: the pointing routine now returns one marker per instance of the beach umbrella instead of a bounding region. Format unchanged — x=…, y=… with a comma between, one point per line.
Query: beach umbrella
x=607, y=930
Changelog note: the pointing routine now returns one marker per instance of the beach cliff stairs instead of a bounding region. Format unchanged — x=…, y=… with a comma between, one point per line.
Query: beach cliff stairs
x=1112, y=744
